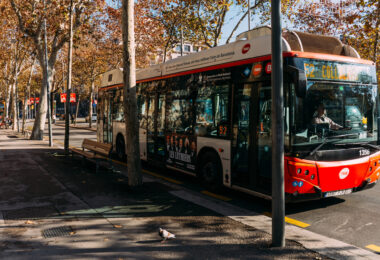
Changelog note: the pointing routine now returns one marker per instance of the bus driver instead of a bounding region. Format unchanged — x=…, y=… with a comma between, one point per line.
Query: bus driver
x=322, y=118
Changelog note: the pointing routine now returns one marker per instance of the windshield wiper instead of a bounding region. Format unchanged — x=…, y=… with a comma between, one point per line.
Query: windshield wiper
x=371, y=145
x=329, y=138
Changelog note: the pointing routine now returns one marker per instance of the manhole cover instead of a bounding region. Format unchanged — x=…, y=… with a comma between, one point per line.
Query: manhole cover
x=11, y=136
x=57, y=232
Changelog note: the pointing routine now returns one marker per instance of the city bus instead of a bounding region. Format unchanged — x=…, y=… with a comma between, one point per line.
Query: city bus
x=208, y=114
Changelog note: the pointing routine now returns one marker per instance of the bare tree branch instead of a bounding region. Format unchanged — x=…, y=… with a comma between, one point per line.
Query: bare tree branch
x=21, y=21
x=241, y=20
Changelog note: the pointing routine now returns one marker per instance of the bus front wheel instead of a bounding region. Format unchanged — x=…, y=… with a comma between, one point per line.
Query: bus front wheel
x=210, y=171
x=120, y=148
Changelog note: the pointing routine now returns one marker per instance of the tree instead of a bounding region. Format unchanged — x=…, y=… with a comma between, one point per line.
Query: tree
x=365, y=30
x=259, y=4
x=148, y=32
x=30, y=15
x=130, y=103
x=357, y=22
x=90, y=61
x=210, y=16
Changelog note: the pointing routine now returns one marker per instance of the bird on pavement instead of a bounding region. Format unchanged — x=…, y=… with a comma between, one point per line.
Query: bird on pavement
x=165, y=234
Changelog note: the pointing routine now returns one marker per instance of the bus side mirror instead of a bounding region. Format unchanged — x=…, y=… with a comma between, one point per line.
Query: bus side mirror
x=299, y=78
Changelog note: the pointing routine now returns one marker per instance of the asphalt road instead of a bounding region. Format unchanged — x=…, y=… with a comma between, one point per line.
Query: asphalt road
x=354, y=218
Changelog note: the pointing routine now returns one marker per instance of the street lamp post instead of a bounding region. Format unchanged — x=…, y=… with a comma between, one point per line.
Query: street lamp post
x=249, y=15
x=278, y=195
x=68, y=88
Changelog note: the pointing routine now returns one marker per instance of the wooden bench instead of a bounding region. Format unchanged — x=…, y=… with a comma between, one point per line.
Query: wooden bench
x=94, y=150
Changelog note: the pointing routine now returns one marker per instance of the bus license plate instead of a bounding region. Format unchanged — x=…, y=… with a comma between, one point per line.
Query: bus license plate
x=337, y=193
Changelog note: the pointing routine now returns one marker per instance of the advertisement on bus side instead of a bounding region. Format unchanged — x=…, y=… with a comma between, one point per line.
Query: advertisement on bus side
x=181, y=151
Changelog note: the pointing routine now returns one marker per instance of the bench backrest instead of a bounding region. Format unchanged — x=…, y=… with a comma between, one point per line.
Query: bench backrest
x=96, y=147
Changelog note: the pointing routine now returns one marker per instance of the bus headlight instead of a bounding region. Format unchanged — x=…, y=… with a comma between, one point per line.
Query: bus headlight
x=305, y=171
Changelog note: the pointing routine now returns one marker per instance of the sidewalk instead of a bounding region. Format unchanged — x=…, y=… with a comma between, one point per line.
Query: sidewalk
x=53, y=207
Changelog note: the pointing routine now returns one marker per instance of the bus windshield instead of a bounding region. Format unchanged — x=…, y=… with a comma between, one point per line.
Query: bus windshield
x=335, y=109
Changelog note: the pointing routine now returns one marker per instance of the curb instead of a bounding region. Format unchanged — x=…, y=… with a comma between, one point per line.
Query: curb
x=323, y=245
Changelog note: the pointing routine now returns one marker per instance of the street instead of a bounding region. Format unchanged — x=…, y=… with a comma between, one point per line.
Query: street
x=354, y=218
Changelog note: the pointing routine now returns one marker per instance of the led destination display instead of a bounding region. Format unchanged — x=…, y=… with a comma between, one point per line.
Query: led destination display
x=326, y=70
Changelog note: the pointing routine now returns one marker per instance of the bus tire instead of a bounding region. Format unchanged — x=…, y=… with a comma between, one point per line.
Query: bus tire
x=120, y=148
x=210, y=171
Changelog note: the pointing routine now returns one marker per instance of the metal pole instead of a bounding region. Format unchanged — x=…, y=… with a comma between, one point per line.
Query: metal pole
x=68, y=87
x=17, y=105
x=249, y=15
x=47, y=83
x=278, y=196
x=181, y=41
x=35, y=106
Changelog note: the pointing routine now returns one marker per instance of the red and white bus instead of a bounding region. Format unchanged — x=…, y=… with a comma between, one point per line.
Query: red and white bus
x=209, y=114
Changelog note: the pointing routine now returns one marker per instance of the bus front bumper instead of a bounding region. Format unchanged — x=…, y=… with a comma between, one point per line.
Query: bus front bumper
x=297, y=197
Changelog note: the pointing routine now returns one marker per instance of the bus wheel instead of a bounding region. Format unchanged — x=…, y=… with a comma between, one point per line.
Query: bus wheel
x=120, y=148
x=210, y=172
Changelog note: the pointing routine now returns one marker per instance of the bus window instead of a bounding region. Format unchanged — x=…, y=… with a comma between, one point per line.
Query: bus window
x=212, y=110
x=150, y=114
x=180, y=115
x=204, y=111
x=141, y=110
x=264, y=138
x=240, y=141
x=161, y=116
x=118, y=108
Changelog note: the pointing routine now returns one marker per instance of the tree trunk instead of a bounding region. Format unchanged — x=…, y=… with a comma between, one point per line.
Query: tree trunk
x=39, y=123
x=27, y=95
x=90, y=106
x=7, y=100
x=14, y=107
x=24, y=111
x=130, y=104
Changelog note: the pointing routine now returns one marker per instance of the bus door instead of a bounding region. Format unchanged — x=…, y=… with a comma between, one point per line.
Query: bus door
x=142, y=115
x=160, y=148
x=156, y=127
x=251, y=145
x=150, y=126
x=263, y=141
x=107, y=118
